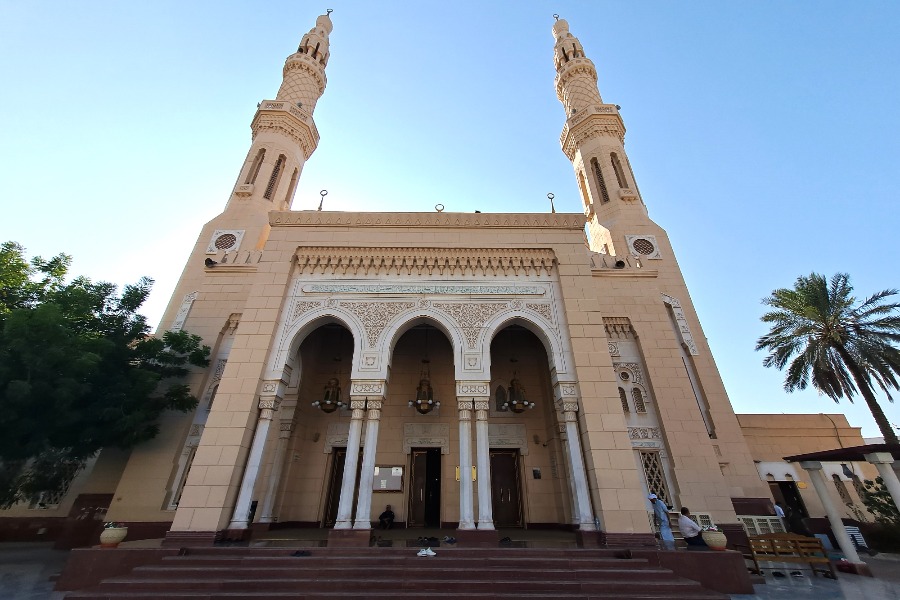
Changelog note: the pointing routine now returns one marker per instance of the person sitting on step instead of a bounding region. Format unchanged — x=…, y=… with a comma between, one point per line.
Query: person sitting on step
x=386, y=519
x=689, y=529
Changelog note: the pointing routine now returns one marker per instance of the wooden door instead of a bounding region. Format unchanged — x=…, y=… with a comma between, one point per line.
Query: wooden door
x=506, y=494
x=334, y=486
x=424, y=488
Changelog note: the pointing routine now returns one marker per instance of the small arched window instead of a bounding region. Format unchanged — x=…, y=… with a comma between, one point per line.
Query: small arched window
x=292, y=187
x=617, y=167
x=255, y=167
x=598, y=175
x=275, y=178
x=624, y=400
x=638, y=398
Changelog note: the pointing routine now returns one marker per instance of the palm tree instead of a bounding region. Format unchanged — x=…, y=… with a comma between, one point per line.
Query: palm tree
x=841, y=347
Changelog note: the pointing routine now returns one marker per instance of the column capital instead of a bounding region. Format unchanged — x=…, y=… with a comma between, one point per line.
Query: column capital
x=268, y=405
x=367, y=390
x=563, y=391
x=811, y=465
x=884, y=458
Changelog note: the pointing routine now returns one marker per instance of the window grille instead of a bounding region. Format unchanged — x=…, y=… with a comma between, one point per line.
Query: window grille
x=51, y=498
x=598, y=175
x=638, y=398
x=755, y=525
x=276, y=175
x=653, y=472
x=292, y=187
x=624, y=401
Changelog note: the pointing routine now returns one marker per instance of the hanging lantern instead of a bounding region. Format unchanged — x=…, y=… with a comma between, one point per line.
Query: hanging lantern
x=424, y=402
x=515, y=397
x=332, y=399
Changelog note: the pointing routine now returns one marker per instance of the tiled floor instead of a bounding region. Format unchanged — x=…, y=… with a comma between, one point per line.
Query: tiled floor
x=25, y=571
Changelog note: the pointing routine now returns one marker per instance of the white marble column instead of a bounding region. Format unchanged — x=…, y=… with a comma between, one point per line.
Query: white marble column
x=275, y=475
x=483, y=459
x=576, y=460
x=567, y=467
x=466, y=508
x=348, y=483
x=267, y=407
x=883, y=461
x=814, y=468
x=367, y=475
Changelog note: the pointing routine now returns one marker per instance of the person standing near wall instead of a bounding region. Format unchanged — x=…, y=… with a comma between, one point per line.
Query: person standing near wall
x=661, y=520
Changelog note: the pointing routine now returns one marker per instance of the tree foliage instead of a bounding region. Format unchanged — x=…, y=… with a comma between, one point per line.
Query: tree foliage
x=78, y=369
x=825, y=337
x=879, y=502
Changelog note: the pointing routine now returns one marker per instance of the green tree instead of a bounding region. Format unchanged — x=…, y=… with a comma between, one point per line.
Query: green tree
x=879, y=502
x=78, y=370
x=830, y=340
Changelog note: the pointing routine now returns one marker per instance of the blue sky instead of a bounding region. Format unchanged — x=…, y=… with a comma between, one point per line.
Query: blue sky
x=765, y=136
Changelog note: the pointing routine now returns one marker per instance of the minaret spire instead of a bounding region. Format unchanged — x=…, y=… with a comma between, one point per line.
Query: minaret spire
x=593, y=139
x=304, y=71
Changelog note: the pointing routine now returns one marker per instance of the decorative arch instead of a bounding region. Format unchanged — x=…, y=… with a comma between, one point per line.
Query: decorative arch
x=427, y=316
x=548, y=338
x=310, y=319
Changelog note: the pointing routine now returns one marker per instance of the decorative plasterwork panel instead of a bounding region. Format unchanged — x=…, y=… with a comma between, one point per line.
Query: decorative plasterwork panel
x=618, y=327
x=508, y=435
x=574, y=221
x=380, y=288
x=425, y=261
x=426, y=435
x=375, y=316
x=471, y=316
x=541, y=308
x=473, y=388
x=367, y=388
x=220, y=369
x=183, y=310
x=681, y=322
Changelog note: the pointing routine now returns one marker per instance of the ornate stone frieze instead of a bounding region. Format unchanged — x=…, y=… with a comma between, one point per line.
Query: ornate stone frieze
x=436, y=289
x=426, y=435
x=613, y=348
x=220, y=369
x=270, y=403
x=596, y=123
x=375, y=316
x=471, y=316
x=483, y=406
x=681, y=322
x=573, y=221
x=425, y=261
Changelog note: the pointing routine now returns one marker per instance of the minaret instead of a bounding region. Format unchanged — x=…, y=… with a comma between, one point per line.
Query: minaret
x=284, y=137
x=593, y=138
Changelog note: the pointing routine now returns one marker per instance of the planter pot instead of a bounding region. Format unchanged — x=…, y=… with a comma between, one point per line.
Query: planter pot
x=716, y=540
x=110, y=538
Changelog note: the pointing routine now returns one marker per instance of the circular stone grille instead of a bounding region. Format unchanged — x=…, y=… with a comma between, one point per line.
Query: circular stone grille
x=226, y=241
x=642, y=246
x=624, y=375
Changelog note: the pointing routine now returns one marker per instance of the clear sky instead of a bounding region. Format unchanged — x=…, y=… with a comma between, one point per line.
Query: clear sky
x=764, y=136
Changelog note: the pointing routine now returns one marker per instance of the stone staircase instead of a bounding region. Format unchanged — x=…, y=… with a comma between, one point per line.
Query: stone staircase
x=458, y=573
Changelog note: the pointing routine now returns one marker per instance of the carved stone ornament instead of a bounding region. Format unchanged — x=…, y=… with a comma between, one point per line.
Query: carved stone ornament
x=443, y=220
x=570, y=406
x=367, y=388
x=183, y=310
x=613, y=348
x=228, y=240
x=426, y=435
x=542, y=309
x=431, y=289
x=269, y=387
x=471, y=316
x=220, y=369
x=681, y=322
x=508, y=435
x=271, y=403
x=472, y=388
x=643, y=246
x=465, y=405
x=484, y=405
x=643, y=433
x=633, y=371
x=303, y=306
x=286, y=426
x=375, y=316
x=568, y=390
x=196, y=430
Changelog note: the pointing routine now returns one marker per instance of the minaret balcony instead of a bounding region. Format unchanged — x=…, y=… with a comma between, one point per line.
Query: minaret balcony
x=289, y=119
x=627, y=194
x=244, y=190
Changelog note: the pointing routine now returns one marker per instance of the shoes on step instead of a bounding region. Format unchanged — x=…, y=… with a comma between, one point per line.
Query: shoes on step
x=426, y=552
x=777, y=574
x=449, y=540
x=796, y=574
x=506, y=540
x=301, y=553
